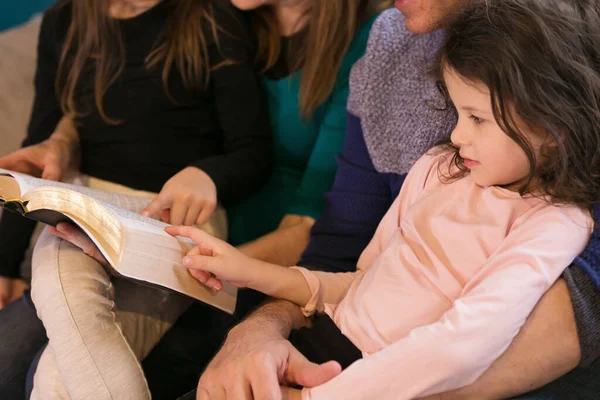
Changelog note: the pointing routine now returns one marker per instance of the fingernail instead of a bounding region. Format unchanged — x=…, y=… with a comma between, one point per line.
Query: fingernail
x=144, y=213
x=187, y=261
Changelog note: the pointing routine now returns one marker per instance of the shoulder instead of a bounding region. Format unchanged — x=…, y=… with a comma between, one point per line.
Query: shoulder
x=427, y=170
x=543, y=214
x=55, y=23
x=234, y=34
x=392, y=48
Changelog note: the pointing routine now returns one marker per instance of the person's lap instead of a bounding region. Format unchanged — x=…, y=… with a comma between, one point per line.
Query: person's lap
x=174, y=366
x=21, y=337
x=580, y=384
x=577, y=385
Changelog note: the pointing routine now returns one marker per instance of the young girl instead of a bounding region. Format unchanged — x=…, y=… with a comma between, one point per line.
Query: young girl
x=483, y=225
x=142, y=97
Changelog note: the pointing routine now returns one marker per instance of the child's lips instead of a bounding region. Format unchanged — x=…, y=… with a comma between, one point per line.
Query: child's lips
x=470, y=163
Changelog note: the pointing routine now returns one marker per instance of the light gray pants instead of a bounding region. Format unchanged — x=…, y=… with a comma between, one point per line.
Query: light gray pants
x=98, y=328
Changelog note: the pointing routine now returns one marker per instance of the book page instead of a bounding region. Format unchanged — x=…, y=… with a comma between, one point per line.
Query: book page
x=155, y=257
x=127, y=202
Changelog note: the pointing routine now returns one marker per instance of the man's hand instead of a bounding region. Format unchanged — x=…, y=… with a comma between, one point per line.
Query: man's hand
x=10, y=290
x=254, y=363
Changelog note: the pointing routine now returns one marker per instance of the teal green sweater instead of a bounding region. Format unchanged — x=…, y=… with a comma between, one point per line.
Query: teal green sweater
x=305, y=152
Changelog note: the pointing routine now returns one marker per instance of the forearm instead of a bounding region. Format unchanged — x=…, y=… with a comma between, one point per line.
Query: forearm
x=279, y=282
x=276, y=317
x=283, y=246
x=546, y=348
x=66, y=130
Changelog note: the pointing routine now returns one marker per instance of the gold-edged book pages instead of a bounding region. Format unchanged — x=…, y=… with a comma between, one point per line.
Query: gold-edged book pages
x=136, y=247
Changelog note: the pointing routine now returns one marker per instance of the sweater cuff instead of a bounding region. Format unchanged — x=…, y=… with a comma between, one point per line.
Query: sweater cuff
x=585, y=298
x=313, y=283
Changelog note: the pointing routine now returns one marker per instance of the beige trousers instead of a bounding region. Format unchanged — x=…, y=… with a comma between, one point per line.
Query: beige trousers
x=98, y=327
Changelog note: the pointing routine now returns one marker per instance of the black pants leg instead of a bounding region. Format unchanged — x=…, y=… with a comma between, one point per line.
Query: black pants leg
x=320, y=343
x=174, y=366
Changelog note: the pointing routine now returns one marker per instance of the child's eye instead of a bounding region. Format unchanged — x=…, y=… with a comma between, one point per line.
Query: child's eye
x=475, y=119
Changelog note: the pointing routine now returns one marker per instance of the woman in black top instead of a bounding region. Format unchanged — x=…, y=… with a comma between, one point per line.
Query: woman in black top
x=151, y=95
x=152, y=120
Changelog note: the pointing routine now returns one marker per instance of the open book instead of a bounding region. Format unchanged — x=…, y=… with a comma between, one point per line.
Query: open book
x=136, y=247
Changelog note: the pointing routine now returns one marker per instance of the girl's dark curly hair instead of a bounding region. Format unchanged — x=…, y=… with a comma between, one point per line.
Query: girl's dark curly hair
x=540, y=60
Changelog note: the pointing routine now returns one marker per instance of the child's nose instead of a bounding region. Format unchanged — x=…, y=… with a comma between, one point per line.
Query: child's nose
x=460, y=136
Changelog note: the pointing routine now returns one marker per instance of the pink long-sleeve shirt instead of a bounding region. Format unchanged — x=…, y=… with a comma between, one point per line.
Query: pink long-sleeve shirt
x=449, y=278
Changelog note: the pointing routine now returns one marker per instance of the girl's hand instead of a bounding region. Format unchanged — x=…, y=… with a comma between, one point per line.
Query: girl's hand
x=188, y=198
x=77, y=237
x=213, y=260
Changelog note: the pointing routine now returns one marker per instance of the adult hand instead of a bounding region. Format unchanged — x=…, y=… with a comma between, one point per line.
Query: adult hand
x=254, y=363
x=213, y=260
x=50, y=159
x=47, y=160
x=188, y=198
x=77, y=237
x=10, y=290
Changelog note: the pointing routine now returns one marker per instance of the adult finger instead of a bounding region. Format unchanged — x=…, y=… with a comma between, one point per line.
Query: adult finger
x=52, y=172
x=239, y=387
x=216, y=392
x=11, y=160
x=302, y=372
x=78, y=238
x=202, y=394
x=265, y=382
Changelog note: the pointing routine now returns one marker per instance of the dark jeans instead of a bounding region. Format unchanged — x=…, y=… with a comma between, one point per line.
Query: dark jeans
x=22, y=335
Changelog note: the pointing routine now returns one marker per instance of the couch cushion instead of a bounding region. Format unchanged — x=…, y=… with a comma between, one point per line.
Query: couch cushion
x=17, y=69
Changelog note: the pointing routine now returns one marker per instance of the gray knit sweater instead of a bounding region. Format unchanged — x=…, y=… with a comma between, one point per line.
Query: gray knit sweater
x=395, y=98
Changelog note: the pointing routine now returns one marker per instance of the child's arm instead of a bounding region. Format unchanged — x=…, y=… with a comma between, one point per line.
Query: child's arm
x=214, y=260
x=454, y=351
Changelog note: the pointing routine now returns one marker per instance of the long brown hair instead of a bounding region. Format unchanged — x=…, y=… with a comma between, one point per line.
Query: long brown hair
x=94, y=35
x=331, y=27
x=541, y=63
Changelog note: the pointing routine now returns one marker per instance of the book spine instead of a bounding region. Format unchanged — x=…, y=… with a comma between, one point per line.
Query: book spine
x=18, y=206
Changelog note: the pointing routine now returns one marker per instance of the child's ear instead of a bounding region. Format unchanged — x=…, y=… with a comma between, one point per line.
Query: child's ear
x=550, y=142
